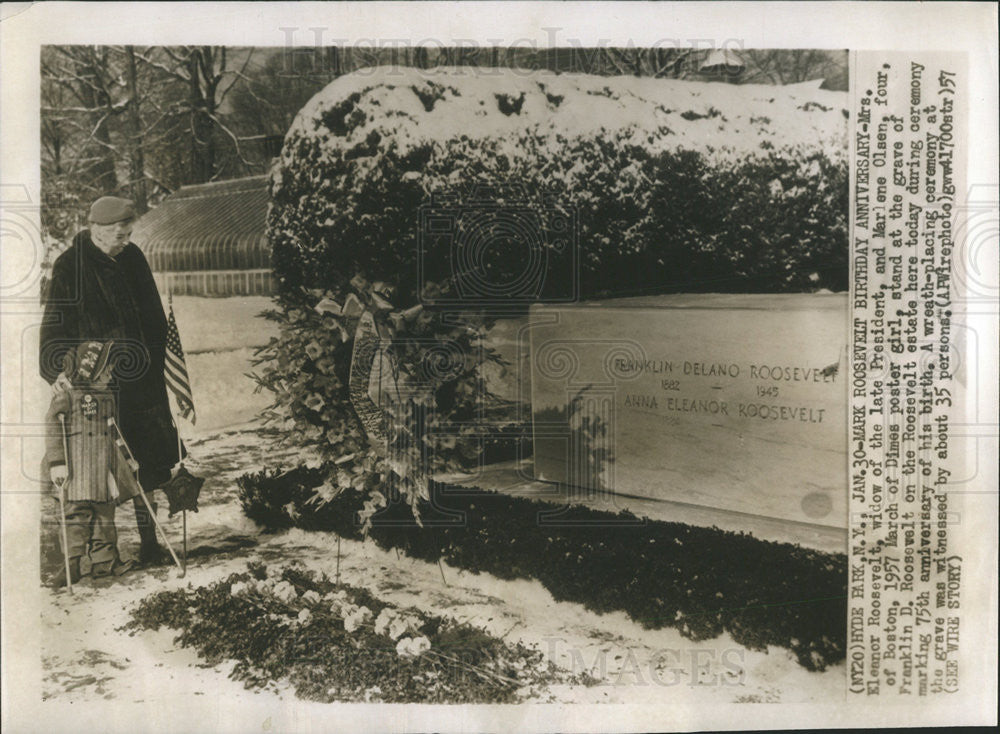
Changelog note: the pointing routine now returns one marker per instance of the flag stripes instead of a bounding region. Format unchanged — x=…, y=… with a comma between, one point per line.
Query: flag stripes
x=175, y=368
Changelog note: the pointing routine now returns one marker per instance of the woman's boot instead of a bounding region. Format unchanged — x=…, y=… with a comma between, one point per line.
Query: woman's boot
x=150, y=552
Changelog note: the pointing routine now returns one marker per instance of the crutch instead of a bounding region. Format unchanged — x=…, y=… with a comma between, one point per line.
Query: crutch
x=184, y=547
x=184, y=512
x=62, y=503
x=133, y=463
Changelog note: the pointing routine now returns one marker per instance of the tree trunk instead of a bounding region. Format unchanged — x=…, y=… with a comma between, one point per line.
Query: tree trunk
x=137, y=163
x=104, y=178
x=333, y=61
x=202, y=149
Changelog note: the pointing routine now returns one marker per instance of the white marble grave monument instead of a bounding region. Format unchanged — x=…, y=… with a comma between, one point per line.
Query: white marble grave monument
x=731, y=402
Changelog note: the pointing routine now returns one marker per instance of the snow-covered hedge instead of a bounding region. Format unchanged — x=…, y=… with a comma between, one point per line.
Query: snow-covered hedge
x=678, y=185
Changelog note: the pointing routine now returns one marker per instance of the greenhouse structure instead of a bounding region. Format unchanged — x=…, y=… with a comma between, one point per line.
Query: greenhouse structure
x=208, y=239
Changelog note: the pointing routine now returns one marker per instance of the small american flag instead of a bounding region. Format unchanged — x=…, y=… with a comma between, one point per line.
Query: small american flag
x=175, y=369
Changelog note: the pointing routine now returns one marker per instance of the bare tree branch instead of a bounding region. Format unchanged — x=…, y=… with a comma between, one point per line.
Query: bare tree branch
x=176, y=72
x=239, y=75
x=235, y=138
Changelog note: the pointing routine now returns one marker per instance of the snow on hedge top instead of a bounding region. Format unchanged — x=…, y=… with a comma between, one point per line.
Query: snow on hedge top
x=411, y=107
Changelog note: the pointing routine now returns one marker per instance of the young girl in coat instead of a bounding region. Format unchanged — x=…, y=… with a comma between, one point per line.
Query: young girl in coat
x=96, y=475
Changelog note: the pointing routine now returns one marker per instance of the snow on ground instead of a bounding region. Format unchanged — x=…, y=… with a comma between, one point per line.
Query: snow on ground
x=86, y=658
x=223, y=393
x=222, y=324
x=219, y=336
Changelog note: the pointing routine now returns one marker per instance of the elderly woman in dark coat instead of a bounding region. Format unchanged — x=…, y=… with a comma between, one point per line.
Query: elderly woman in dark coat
x=103, y=289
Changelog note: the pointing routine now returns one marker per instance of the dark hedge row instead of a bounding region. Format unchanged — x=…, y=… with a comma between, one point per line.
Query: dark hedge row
x=649, y=222
x=272, y=639
x=703, y=581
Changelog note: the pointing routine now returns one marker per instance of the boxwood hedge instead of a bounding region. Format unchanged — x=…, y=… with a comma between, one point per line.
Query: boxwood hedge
x=678, y=186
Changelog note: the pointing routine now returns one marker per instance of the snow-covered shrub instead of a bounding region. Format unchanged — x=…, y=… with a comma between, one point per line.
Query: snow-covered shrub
x=678, y=185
